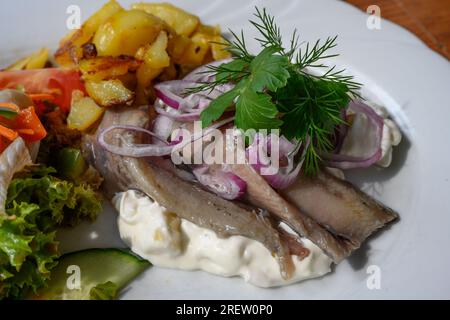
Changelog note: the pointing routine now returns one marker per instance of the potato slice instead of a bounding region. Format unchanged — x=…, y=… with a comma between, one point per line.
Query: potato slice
x=36, y=60
x=155, y=59
x=177, y=46
x=84, y=112
x=102, y=68
x=109, y=93
x=155, y=55
x=181, y=21
x=208, y=30
x=215, y=40
x=218, y=49
x=101, y=16
x=129, y=80
x=70, y=49
x=169, y=73
x=196, y=51
x=125, y=32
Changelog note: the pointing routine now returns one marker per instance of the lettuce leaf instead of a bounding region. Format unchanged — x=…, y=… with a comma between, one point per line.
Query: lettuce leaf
x=37, y=204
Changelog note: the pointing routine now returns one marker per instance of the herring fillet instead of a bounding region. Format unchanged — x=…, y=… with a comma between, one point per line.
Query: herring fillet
x=261, y=194
x=187, y=200
x=338, y=205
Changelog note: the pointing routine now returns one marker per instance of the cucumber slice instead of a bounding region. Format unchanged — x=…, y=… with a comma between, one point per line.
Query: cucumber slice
x=96, y=266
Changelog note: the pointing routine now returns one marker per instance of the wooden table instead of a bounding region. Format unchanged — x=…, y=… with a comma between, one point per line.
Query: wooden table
x=428, y=19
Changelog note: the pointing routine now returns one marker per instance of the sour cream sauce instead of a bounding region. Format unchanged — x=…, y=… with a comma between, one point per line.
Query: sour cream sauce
x=170, y=242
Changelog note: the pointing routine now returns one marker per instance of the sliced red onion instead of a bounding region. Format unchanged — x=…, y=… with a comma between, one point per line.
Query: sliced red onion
x=341, y=132
x=171, y=93
x=258, y=155
x=224, y=87
x=223, y=183
x=133, y=150
x=283, y=178
x=204, y=73
x=163, y=126
x=183, y=117
x=345, y=161
x=151, y=150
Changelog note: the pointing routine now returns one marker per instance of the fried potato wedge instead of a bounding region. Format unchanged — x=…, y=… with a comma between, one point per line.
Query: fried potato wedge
x=109, y=93
x=181, y=21
x=84, y=112
x=71, y=47
x=125, y=32
x=102, y=68
x=36, y=60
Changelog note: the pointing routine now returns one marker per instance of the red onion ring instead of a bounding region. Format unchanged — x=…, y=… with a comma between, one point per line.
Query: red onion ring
x=135, y=151
x=170, y=92
x=341, y=132
x=151, y=150
x=223, y=183
x=286, y=175
x=184, y=117
x=203, y=73
x=342, y=161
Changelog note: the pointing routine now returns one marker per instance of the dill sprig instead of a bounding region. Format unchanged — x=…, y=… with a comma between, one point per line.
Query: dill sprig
x=277, y=88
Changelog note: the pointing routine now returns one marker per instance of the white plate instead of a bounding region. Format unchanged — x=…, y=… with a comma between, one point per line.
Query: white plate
x=398, y=70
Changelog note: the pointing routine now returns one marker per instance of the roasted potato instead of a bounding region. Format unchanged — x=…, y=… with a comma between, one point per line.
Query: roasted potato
x=155, y=55
x=101, y=16
x=109, y=93
x=215, y=40
x=84, y=112
x=177, y=46
x=181, y=21
x=102, y=68
x=169, y=73
x=196, y=51
x=125, y=32
x=155, y=59
x=218, y=48
x=36, y=60
x=121, y=53
x=71, y=47
x=129, y=80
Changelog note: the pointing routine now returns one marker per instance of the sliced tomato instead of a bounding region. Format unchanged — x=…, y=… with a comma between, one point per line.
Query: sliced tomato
x=59, y=83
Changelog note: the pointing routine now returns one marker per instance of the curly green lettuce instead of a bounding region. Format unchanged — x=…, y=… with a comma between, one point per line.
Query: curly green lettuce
x=37, y=204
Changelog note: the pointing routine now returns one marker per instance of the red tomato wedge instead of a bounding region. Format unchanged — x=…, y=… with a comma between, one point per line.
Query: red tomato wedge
x=60, y=83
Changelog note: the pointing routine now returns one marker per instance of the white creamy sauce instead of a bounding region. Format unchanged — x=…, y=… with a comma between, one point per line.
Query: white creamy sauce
x=358, y=142
x=167, y=241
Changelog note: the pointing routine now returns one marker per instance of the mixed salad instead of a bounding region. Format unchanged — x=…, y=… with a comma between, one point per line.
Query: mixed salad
x=216, y=158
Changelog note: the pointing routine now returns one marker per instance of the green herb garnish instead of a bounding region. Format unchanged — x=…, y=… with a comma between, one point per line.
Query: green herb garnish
x=274, y=90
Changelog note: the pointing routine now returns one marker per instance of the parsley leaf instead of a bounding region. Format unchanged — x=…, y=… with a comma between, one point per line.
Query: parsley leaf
x=269, y=70
x=218, y=106
x=232, y=70
x=256, y=111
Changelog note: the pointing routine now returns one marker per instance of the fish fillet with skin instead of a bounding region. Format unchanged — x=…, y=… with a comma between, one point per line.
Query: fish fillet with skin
x=338, y=205
x=189, y=201
x=331, y=212
x=261, y=194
